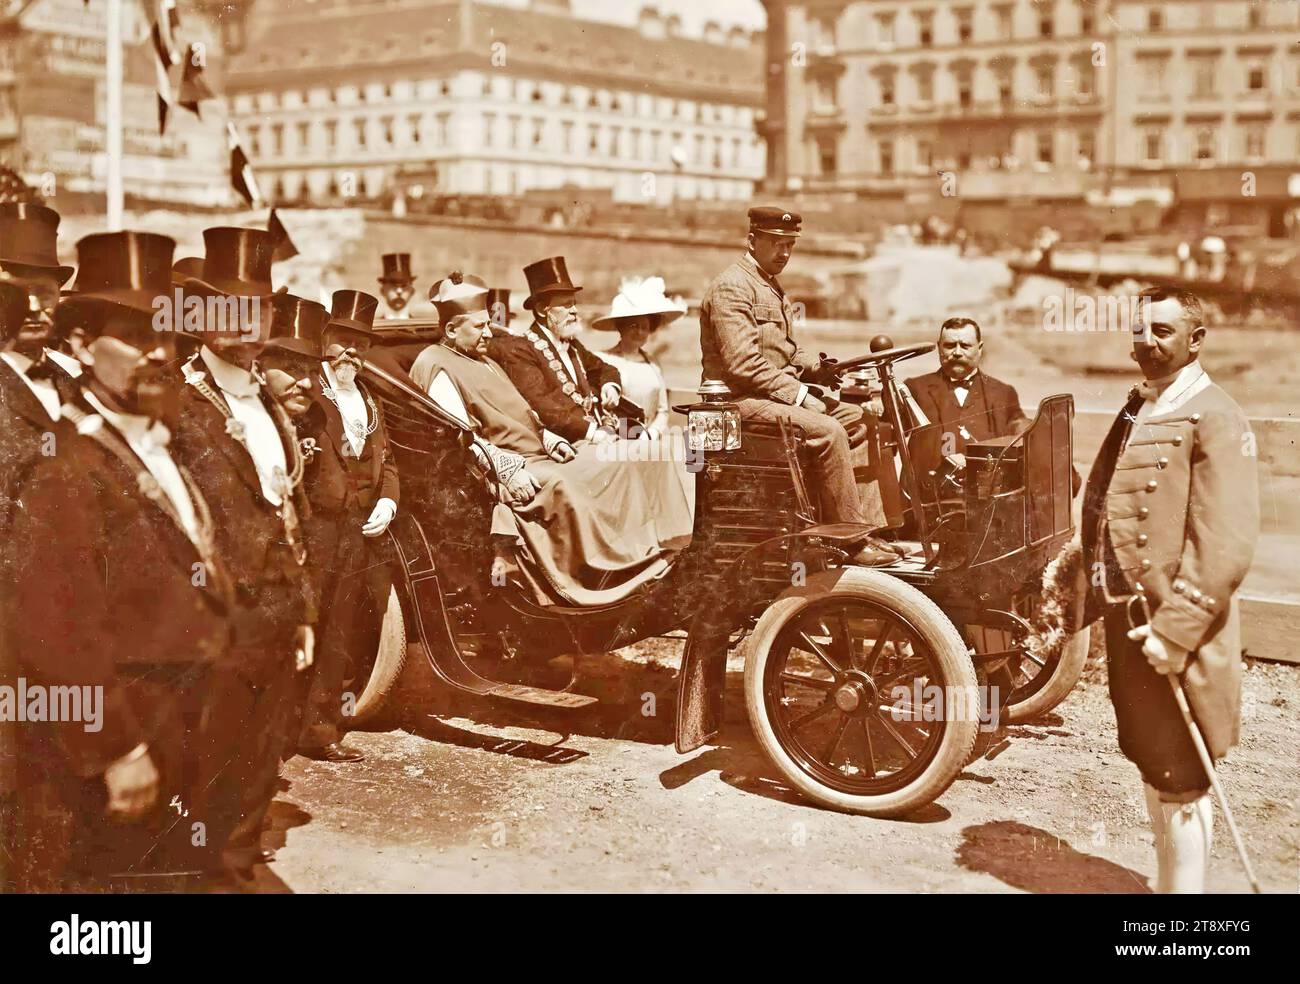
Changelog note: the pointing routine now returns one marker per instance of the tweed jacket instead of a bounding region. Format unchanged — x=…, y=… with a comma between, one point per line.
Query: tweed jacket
x=1177, y=499
x=747, y=337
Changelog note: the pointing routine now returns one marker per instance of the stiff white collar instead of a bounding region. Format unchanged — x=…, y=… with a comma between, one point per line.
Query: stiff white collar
x=230, y=377
x=138, y=430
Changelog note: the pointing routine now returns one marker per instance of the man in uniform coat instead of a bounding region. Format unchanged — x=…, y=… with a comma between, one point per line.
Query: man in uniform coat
x=353, y=487
x=967, y=403
x=117, y=588
x=1171, y=512
x=572, y=390
x=747, y=341
x=243, y=450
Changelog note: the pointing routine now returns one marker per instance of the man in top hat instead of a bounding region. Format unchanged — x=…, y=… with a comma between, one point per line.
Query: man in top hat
x=1171, y=513
x=570, y=388
x=29, y=258
x=353, y=487
x=293, y=349
x=747, y=338
x=243, y=450
x=396, y=285
x=117, y=585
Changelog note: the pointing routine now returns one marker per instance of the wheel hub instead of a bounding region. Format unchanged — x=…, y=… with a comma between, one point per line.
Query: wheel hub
x=856, y=693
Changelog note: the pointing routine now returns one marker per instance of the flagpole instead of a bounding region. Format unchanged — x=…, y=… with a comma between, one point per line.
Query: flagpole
x=113, y=115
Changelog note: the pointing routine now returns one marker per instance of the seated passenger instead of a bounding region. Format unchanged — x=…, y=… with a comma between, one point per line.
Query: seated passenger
x=639, y=310
x=589, y=526
x=968, y=405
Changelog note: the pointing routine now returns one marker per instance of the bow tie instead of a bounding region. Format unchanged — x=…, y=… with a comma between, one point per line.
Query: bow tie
x=965, y=383
x=45, y=369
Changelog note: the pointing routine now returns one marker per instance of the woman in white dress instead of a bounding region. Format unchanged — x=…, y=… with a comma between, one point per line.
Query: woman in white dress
x=639, y=310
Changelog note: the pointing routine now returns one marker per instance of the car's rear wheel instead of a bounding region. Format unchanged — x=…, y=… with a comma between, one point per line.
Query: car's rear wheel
x=862, y=692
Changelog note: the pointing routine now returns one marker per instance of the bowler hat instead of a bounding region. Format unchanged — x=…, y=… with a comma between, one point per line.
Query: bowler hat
x=354, y=310
x=29, y=236
x=236, y=261
x=397, y=269
x=297, y=324
x=127, y=270
x=549, y=276
x=775, y=221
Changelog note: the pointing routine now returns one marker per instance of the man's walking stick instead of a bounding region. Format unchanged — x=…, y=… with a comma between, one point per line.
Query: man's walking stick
x=1180, y=698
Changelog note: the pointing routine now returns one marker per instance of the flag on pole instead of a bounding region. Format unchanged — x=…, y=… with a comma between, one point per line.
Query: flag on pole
x=284, y=247
x=241, y=174
x=194, y=88
x=163, y=34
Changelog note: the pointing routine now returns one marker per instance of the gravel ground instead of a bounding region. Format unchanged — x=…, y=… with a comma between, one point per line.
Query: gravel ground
x=599, y=801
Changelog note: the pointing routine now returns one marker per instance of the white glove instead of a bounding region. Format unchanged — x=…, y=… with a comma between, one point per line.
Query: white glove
x=380, y=517
x=1164, y=655
x=557, y=447
x=610, y=394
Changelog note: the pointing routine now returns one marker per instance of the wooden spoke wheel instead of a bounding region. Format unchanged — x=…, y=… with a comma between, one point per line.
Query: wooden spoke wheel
x=862, y=692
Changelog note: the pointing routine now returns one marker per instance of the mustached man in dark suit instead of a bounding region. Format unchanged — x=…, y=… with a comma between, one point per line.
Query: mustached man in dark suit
x=353, y=487
x=117, y=587
x=966, y=403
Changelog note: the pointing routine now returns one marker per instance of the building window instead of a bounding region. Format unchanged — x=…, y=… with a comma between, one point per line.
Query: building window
x=413, y=124
x=823, y=26
x=1046, y=20
x=331, y=134
x=593, y=138
x=965, y=92
x=1155, y=18
x=1153, y=146
x=514, y=132
x=1005, y=91
x=924, y=154
x=1086, y=81
x=539, y=131
x=1256, y=78
x=304, y=137
x=1006, y=21
x=254, y=140
x=1087, y=17
x=699, y=149
x=925, y=28
x=566, y=135
x=1256, y=141
x=825, y=95
x=737, y=159
x=1153, y=74
x=1255, y=17
x=887, y=93
x=1045, y=77
x=1205, y=143
x=277, y=139
x=965, y=24
x=886, y=150
x=1087, y=148
x=925, y=86
x=1204, y=72
x=444, y=129
x=717, y=153
x=1046, y=153
x=489, y=128
x=885, y=28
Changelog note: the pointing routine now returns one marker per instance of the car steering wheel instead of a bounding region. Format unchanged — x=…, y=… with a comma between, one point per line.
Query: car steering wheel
x=885, y=356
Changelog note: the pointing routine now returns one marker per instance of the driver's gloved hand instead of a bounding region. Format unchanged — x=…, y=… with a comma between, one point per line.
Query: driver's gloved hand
x=826, y=373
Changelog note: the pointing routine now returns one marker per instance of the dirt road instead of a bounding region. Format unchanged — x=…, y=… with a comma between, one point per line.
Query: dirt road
x=600, y=801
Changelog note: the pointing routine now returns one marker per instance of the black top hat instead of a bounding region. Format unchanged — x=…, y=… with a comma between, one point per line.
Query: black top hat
x=124, y=269
x=13, y=310
x=498, y=305
x=297, y=324
x=549, y=276
x=29, y=236
x=397, y=268
x=236, y=261
x=774, y=221
x=186, y=268
x=353, y=309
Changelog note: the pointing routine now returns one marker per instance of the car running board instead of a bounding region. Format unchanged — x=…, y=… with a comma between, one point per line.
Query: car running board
x=444, y=656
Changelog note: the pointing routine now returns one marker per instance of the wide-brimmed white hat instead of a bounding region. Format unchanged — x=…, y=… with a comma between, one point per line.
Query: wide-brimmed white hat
x=640, y=298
